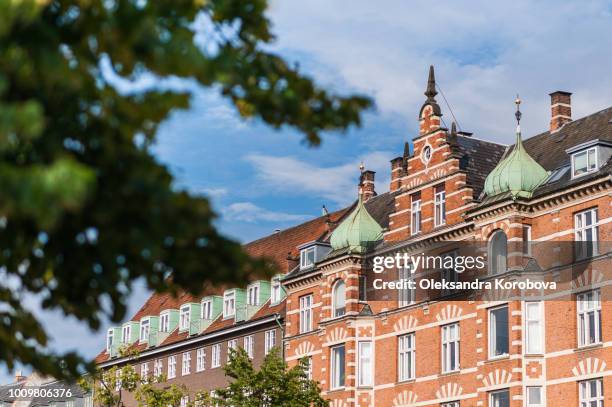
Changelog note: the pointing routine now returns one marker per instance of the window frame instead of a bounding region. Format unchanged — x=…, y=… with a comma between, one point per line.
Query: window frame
x=586, y=152
x=337, y=380
x=492, y=345
x=144, y=370
x=229, y=297
x=231, y=344
x=206, y=309
x=171, y=367
x=200, y=359
x=406, y=296
x=126, y=328
x=304, y=257
x=492, y=394
x=526, y=234
x=580, y=232
x=269, y=340
x=145, y=324
x=184, y=310
x=581, y=299
x=406, y=354
x=186, y=364
x=500, y=267
x=439, y=205
x=110, y=334
x=365, y=360
x=253, y=291
x=539, y=329
x=585, y=398
x=450, y=404
x=275, y=291
x=164, y=321
x=528, y=401
x=249, y=346
x=337, y=311
x=415, y=214
x=448, y=343
x=306, y=313
x=158, y=368
x=215, y=356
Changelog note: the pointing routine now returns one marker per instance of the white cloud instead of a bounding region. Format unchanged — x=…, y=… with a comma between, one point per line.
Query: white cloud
x=214, y=192
x=335, y=183
x=249, y=212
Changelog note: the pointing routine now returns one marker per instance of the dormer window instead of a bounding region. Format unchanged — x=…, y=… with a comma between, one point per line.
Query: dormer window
x=185, y=318
x=164, y=322
x=253, y=295
x=276, y=291
x=126, y=334
x=145, y=329
x=207, y=309
x=307, y=257
x=229, y=304
x=109, y=339
x=584, y=162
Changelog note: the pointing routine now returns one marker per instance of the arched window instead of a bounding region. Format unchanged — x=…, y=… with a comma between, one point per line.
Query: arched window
x=498, y=252
x=339, y=299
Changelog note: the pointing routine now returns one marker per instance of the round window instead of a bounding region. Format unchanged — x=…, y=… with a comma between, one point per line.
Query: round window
x=426, y=155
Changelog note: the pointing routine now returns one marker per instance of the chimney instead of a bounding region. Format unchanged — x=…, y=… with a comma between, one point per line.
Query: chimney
x=366, y=185
x=560, y=109
x=19, y=377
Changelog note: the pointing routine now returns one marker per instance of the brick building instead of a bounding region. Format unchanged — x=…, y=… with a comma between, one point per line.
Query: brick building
x=418, y=347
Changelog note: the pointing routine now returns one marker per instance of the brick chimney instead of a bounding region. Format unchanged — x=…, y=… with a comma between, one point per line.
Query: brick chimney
x=19, y=377
x=366, y=185
x=560, y=109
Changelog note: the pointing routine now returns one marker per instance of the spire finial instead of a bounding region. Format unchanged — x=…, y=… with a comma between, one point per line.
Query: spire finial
x=454, y=129
x=430, y=92
x=361, y=167
x=518, y=113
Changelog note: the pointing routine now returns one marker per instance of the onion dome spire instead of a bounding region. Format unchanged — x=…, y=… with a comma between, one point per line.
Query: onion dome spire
x=518, y=173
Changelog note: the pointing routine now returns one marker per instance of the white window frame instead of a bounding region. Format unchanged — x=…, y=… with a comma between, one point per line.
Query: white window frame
x=439, y=205
x=109, y=339
x=200, y=359
x=127, y=329
x=184, y=317
x=270, y=340
x=184, y=401
x=498, y=263
x=534, y=328
x=186, y=364
x=527, y=239
x=492, y=395
x=206, y=309
x=305, y=260
x=171, y=367
x=145, y=330
x=158, y=367
x=275, y=291
x=253, y=294
x=415, y=216
x=365, y=365
x=492, y=331
x=164, y=321
x=406, y=296
x=451, y=336
x=309, y=367
x=406, y=361
x=231, y=344
x=144, y=370
x=338, y=304
x=591, y=166
x=533, y=403
x=215, y=358
x=249, y=345
x=586, y=396
x=450, y=404
x=229, y=304
x=450, y=274
x=581, y=232
x=335, y=377
x=588, y=306
x=306, y=306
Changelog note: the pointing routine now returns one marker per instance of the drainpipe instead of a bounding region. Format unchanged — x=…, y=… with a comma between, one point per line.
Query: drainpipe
x=282, y=329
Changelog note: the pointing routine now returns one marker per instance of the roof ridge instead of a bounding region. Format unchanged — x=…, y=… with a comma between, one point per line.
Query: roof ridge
x=483, y=140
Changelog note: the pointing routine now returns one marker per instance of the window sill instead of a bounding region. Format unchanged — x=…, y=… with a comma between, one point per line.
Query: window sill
x=586, y=348
x=450, y=373
x=493, y=359
x=337, y=389
x=534, y=355
x=406, y=381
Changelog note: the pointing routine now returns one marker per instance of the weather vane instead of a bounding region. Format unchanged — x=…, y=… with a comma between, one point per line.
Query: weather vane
x=518, y=113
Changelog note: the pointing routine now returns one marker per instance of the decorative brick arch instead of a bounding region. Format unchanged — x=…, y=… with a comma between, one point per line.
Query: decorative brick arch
x=497, y=377
x=405, y=399
x=336, y=335
x=405, y=323
x=449, y=390
x=337, y=403
x=304, y=348
x=589, y=366
x=451, y=311
x=587, y=279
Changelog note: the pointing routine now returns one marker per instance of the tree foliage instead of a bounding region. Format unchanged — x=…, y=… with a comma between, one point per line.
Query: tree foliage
x=85, y=207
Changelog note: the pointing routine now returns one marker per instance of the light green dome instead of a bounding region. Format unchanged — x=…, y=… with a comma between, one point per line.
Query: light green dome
x=518, y=173
x=357, y=232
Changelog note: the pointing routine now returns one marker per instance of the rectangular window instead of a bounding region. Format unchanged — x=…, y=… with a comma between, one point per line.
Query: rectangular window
x=145, y=328
x=185, y=317
x=109, y=340
x=534, y=328
x=534, y=397
x=498, y=332
x=276, y=291
x=589, y=318
x=200, y=360
x=365, y=365
x=216, y=355
x=406, y=295
x=499, y=398
x=229, y=304
x=307, y=257
x=363, y=288
x=126, y=334
x=232, y=344
x=184, y=401
x=118, y=381
x=164, y=322
x=249, y=345
x=406, y=355
x=171, y=367
x=206, y=309
x=186, y=366
x=270, y=340
x=253, y=295
x=586, y=233
x=337, y=367
x=306, y=313
x=440, y=205
x=591, y=393
x=527, y=240
x=450, y=348
x=158, y=366
x=415, y=213
x=584, y=162
x=309, y=367
x=449, y=274
x=450, y=404
x=144, y=371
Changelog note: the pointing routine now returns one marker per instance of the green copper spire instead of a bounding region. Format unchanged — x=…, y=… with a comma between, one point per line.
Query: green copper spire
x=518, y=173
x=357, y=232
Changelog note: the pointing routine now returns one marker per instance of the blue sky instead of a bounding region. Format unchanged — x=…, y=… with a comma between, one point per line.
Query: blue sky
x=484, y=52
